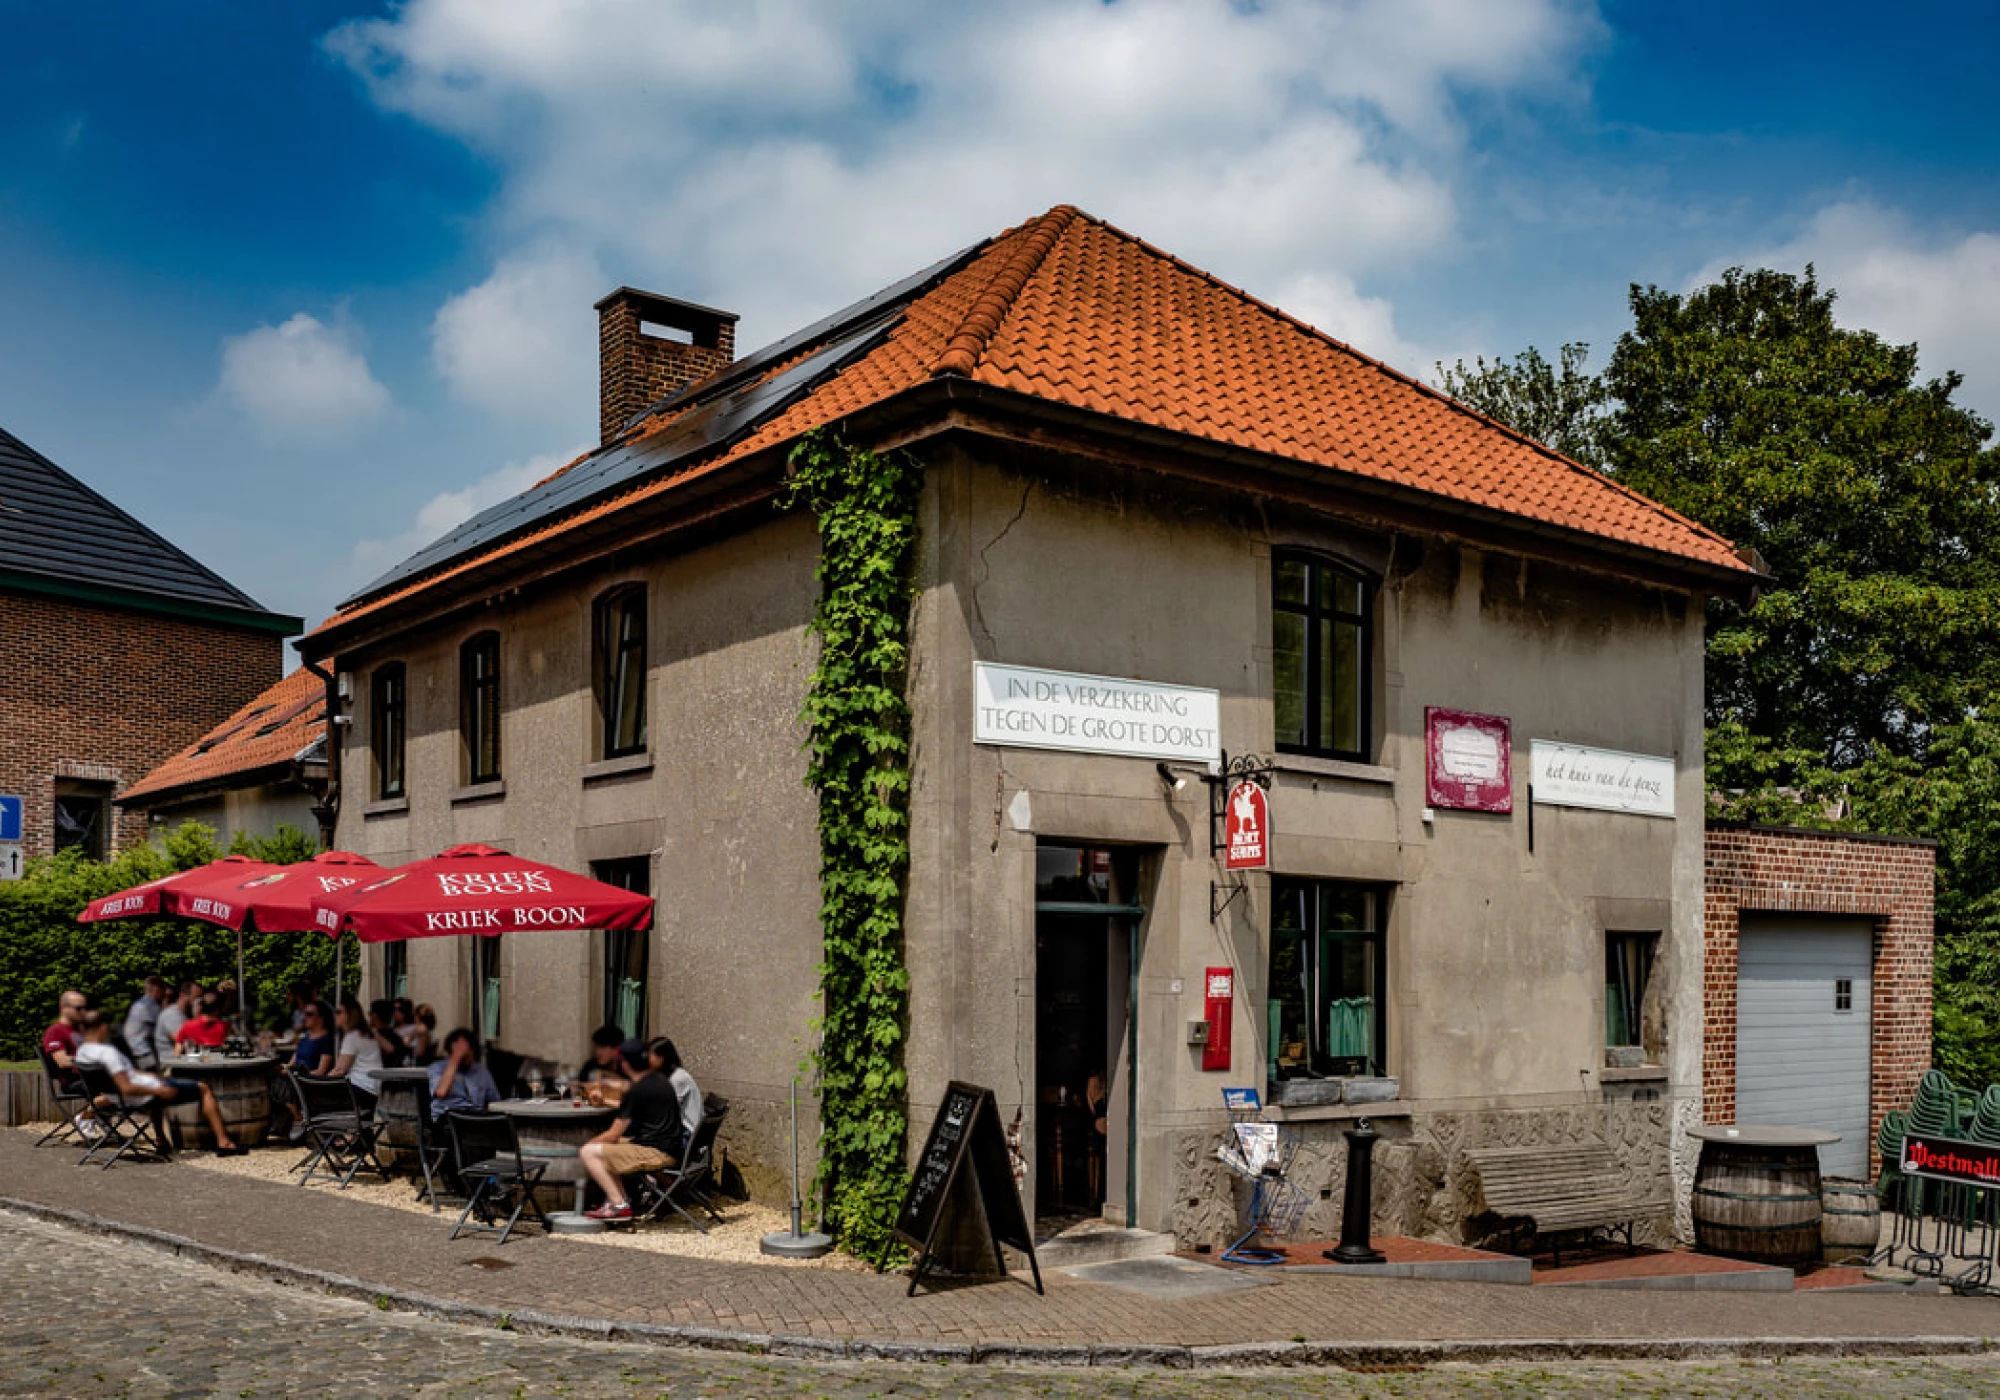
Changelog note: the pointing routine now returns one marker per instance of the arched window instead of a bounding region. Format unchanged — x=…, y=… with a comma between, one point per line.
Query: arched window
x=1322, y=642
x=618, y=670
x=479, y=706
x=387, y=723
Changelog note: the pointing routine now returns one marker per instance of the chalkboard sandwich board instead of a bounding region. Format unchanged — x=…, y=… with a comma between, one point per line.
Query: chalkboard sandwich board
x=967, y=1129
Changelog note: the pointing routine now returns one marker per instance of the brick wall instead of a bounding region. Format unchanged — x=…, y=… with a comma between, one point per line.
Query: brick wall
x=1764, y=870
x=102, y=694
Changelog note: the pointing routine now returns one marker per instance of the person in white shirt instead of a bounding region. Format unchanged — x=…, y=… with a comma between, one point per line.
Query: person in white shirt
x=135, y=1085
x=358, y=1056
x=172, y=1017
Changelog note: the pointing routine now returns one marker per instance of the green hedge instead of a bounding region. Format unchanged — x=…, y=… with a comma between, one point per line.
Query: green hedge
x=43, y=949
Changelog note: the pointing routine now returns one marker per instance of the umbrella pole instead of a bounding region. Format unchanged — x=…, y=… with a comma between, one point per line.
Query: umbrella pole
x=242, y=991
x=339, y=967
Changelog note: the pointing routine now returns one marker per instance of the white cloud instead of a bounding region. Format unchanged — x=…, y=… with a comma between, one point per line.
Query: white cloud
x=524, y=341
x=1906, y=283
x=447, y=510
x=784, y=157
x=301, y=381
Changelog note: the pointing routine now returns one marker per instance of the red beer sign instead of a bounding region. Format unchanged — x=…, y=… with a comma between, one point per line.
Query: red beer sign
x=1246, y=828
x=1949, y=1159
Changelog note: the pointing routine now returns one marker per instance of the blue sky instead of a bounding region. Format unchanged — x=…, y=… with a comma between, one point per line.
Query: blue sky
x=302, y=284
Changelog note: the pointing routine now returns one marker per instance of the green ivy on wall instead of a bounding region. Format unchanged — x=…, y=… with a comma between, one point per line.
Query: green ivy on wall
x=859, y=717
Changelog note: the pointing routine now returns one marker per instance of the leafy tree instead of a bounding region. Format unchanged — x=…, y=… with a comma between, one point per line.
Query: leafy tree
x=1871, y=498
x=1559, y=405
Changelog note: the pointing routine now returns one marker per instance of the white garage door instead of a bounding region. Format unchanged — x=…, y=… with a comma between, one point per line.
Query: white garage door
x=1802, y=1031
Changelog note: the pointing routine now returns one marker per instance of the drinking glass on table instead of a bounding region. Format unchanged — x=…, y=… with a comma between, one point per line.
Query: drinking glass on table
x=561, y=1086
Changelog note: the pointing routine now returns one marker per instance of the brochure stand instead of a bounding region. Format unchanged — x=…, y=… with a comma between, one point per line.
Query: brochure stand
x=1261, y=1153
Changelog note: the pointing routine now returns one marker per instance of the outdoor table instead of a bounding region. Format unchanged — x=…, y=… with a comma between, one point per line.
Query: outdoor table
x=554, y=1131
x=1757, y=1192
x=396, y=1109
x=242, y=1088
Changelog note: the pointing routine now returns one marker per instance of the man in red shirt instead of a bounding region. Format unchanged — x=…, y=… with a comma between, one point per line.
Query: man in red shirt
x=62, y=1038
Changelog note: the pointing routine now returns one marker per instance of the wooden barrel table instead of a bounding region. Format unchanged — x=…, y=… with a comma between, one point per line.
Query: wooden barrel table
x=1851, y=1227
x=1757, y=1192
x=242, y=1089
x=396, y=1110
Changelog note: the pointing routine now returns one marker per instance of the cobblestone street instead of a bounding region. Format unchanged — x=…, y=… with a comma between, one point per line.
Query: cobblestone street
x=85, y=1316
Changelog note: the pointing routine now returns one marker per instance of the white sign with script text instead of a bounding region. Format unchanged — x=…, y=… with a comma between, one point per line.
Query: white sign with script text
x=1028, y=708
x=1570, y=775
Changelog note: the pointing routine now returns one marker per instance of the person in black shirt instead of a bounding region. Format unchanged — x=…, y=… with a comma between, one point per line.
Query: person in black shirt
x=604, y=1073
x=646, y=1136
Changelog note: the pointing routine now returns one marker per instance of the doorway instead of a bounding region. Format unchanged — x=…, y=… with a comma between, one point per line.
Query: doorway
x=1086, y=934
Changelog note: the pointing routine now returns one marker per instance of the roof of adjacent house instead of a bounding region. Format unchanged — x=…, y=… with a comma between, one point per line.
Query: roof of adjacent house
x=284, y=726
x=58, y=536
x=1067, y=310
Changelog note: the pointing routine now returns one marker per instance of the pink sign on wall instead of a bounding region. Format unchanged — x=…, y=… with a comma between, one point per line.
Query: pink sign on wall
x=1468, y=760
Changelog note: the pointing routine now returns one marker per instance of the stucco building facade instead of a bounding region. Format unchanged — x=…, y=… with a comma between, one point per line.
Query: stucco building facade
x=1160, y=489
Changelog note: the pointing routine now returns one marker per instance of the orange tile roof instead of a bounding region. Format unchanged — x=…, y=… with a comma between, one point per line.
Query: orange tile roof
x=1070, y=310
x=271, y=730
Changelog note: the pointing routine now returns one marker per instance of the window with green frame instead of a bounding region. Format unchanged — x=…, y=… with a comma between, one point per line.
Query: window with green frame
x=626, y=951
x=1321, y=648
x=1325, y=992
x=486, y=986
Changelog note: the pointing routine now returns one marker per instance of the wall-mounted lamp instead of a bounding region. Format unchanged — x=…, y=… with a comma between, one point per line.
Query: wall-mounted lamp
x=1174, y=781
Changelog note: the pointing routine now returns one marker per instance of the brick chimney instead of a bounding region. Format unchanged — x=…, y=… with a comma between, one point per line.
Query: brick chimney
x=649, y=345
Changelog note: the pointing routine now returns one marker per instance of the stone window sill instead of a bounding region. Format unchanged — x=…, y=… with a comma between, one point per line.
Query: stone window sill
x=387, y=807
x=1337, y=1112
x=622, y=766
x=1637, y=1074
x=479, y=792
x=1333, y=768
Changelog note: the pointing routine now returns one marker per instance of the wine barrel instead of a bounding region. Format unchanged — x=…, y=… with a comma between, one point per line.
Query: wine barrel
x=245, y=1102
x=1758, y=1202
x=1851, y=1226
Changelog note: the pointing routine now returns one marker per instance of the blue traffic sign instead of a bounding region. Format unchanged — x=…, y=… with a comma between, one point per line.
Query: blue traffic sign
x=10, y=819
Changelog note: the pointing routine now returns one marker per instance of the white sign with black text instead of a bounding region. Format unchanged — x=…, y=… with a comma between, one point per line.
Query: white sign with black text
x=1027, y=708
x=1570, y=775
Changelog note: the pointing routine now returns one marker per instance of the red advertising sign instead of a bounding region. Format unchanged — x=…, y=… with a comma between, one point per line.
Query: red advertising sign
x=1948, y=1159
x=1218, y=995
x=1468, y=760
x=1246, y=828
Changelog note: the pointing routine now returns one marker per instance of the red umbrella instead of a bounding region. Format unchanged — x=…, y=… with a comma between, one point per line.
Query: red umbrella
x=153, y=897
x=478, y=890
x=277, y=899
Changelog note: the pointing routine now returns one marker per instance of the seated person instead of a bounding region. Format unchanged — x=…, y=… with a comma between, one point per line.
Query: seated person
x=459, y=1080
x=382, y=1025
x=651, y=1129
x=312, y=1055
x=205, y=1030
x=62, y=1037
x=426, y=1047
x=172, y=1017
x=357, y=1054
x=603, y=1074
x=136, y=1086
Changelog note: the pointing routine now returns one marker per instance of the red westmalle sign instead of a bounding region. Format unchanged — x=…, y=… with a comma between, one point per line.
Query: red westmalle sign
x=1948, y=1159
x=1246, y=829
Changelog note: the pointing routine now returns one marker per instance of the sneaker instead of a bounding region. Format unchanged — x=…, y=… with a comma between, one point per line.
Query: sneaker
x=298, y=1132
x=608, y=1212
x=92, y=1130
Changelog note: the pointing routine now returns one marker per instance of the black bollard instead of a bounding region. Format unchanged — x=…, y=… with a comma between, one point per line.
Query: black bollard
x=1354, y=1210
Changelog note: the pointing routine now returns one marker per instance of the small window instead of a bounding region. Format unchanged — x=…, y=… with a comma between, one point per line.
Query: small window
x=1628, y=971
x=1843, y=994
x=1322, y=644
x=619, y=670
x=83, y=818
x=486, y=985
x=386, y=726
x=479, y=707
x=626, y=951
x=1327, y=981
x=396, y=969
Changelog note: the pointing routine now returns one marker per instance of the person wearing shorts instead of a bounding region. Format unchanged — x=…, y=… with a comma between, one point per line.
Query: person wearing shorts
x=648, y=1134
x=135, y=1085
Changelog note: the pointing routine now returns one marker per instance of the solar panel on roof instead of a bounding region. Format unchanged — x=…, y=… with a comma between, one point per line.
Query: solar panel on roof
x=726, y=414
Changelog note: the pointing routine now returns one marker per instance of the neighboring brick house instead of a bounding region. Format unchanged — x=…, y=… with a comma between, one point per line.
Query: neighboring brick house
x=1817, y=980
x=121, y=650
x=264, y=765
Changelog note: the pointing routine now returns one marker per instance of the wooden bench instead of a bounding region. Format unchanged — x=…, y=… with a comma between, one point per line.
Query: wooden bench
x=1562, y=1190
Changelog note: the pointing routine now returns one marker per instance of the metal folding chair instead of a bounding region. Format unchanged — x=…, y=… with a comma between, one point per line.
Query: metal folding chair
x=70, y=1100
x=433, y=1155
x=128, y=1128
x=487, y=1153
x=339, y=1134
x=675, y=1188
